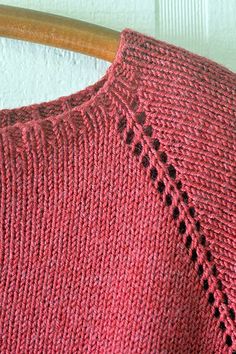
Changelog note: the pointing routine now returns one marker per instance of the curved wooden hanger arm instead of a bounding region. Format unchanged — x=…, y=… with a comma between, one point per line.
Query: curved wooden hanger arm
x=58, y=31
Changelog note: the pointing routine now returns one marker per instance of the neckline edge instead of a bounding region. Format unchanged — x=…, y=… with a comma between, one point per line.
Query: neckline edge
x=97, y=90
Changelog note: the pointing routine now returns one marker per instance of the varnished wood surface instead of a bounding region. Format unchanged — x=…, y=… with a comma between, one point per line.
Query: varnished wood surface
x=58, y=31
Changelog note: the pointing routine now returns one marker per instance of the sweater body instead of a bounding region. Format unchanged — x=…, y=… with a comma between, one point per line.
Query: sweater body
x=117, y=210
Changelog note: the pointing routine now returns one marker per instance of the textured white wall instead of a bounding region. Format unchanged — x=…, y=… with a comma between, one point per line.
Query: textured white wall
x=206, y=27
x=32, y=73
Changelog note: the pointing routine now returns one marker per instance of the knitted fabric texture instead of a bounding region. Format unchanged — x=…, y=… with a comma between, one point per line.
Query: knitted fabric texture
x=118, y=210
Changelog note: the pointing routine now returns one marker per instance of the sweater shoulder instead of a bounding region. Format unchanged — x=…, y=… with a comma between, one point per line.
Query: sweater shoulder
x=156, y=56
x=186, y=120
x=166, y=70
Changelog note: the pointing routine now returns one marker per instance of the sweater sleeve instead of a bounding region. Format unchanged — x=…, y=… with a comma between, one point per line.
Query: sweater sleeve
x=186, y=116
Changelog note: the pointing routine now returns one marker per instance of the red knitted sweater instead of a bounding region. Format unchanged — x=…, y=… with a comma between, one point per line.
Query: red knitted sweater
x=118, y=210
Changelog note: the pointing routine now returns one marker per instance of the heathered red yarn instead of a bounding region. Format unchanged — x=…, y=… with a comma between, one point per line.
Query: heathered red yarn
x=117, y=210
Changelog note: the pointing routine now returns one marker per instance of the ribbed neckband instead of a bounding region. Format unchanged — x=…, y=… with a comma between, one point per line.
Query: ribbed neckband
x=16, y=123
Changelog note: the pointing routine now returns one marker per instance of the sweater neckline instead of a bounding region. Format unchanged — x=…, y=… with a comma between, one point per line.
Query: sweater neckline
x=17, y=123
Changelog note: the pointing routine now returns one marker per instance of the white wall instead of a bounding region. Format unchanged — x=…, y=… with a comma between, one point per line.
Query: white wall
x=32, y=73
x=206, y=27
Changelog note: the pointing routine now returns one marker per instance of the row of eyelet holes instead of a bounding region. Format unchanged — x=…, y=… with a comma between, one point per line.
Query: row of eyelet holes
x=137, y=151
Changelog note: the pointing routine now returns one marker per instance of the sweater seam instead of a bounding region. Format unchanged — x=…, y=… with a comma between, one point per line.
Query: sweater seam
x=138, y=137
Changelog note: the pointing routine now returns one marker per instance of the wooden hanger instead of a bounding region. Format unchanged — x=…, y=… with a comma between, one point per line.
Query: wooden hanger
x=58, y=31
